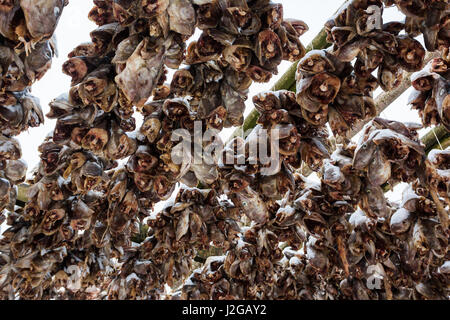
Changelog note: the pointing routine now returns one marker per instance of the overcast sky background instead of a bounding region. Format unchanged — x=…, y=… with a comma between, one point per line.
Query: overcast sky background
x=74, y=28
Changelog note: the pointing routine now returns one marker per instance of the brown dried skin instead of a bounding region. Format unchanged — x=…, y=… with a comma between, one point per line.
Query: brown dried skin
x=394, y=27
x=150, y=8
x=379, y=169
x=51, y=221
x=351, y=108
x=161, y=92
x=107, y=100
x=95, y=140
x=238, y=56
x=208, y=15
x=5, y=191
x=11, y=65
x=316, y=91
x=293, y=49
x=389, y=76
x=216, y=118
x=315, y=224
x=314, y=62
x=313, y=151
x=411, y=54
x=10, y=25
x=364, y=154
x=102, y=38
x=141, y=73
x=443, y=38
x=267, y=101
x=7, y=5
x=439, y=65
x=120, y=145
x=367, y=62
x=222, y=37
x=12, y=115
x=8, y=99
x=89, y=176
x=78, y=67
x=373, y=202
x=337, y=122
x=251, y=204
x=430, y=35
x=175, y=53
x=80, y=216
x=39, y=61
x=13, y=84
x=441, y=93
x=273, y=16
x=124, y=11
x=156, y=27
x=237, y=80
x=163, y=187
x=151, y=128
x=316, y=118
x=438, y=167
x=275, y=187
x=289, y=139
x=268, y=50
x=94, y=84
x=77, y=135
x=386, y=42
x=390, y=151
x=440, y=158
x=430, y=114
x=341, y=36
x=118, y=187
x=258, y=74
x=205, y=49
x=63, y=130
x=240, y=20
x=274, y=117
x=417, y=99
x=143, y=182
x=182, y=17
x=42, y=16
x=182, y=83
x=50, y=157
x=351, y=50
x=60, y=107
x=411, y=9
x=77, y=160
x=395, y=146
x=9, y=149
x=125, y=49
x=369, y=20
x=129, y=204
x=300, y=26
x=33, y=115
x=177, y=108
x=234, y=103
x=142, y=161
x=101, y=15
x=74, y=96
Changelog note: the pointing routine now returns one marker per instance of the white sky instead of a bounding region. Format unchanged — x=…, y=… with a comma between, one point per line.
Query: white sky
x=74, y=28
